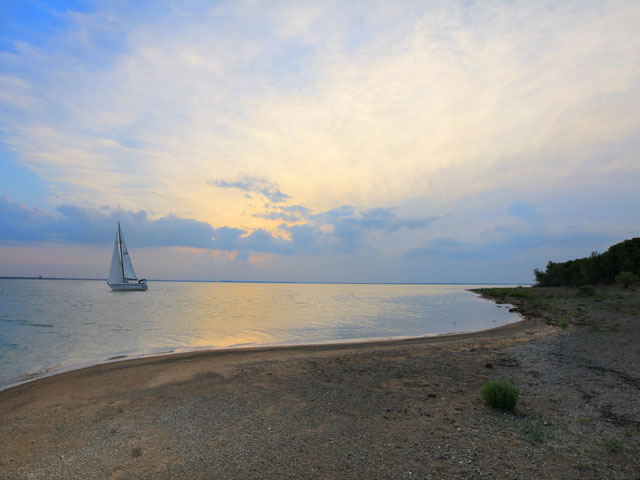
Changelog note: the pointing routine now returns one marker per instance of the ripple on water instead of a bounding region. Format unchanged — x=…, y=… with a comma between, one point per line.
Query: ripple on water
x=38, y=373
x=79, y=322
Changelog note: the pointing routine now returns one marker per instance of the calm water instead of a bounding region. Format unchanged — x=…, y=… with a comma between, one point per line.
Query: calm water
x=52, y=325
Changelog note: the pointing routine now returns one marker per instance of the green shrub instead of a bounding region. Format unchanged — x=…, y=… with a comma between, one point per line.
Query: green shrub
x=586, y=291
x=499, y=394
x=599, y=268
x=627, y=278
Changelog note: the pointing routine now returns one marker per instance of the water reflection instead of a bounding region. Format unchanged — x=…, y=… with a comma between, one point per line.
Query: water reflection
x=87, y=323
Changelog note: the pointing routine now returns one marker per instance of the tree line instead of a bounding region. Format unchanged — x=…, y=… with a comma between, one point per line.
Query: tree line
x=619, y=264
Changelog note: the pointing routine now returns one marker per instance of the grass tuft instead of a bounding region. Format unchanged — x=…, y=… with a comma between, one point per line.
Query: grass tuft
x=502, y=395
x=613, y=445
x=533, y=432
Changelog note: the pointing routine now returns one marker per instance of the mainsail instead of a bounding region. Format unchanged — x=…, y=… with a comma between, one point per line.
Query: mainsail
x=116, y=274
x=121, y=267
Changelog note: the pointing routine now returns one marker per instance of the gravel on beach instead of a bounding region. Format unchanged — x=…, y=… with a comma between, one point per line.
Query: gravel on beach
x=398, y=409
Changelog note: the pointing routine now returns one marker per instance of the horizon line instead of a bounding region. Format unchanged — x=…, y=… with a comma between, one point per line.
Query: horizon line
x=14, y=277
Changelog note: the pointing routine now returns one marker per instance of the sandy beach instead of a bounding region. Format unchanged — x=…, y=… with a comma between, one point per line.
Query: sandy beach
x=396, y=409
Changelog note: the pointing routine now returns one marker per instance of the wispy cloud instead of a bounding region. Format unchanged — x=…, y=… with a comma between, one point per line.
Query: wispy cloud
x=258, y=185
x=361, y=105
x=288, y=213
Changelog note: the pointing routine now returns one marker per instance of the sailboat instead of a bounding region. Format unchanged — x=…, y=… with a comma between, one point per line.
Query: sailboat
x=122, y=276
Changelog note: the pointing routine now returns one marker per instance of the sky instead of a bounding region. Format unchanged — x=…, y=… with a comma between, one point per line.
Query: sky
x=322, y=141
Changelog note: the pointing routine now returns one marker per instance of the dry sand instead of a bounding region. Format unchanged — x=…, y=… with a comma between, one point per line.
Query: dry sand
x=398, y=409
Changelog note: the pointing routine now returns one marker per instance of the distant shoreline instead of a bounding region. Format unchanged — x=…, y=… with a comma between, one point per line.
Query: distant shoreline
x=286, y=282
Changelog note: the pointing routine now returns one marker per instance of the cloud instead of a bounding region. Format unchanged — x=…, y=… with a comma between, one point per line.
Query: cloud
x=22, y=224
x=258, y=185
x=348, y=230
x=72, y=224
x=289, y=213
x=263, y=241
x=342, y=230
x=385, y=219
x=366, y=104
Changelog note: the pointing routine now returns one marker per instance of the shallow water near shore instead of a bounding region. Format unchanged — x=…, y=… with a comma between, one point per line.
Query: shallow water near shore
x=53, y=325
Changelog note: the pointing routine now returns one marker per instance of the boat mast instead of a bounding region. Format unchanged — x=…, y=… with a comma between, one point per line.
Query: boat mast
x=120, y=250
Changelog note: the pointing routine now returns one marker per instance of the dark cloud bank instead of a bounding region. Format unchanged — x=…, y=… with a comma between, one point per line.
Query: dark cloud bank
x=70, y=224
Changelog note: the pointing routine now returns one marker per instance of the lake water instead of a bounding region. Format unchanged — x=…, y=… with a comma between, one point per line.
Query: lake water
x=47, y=326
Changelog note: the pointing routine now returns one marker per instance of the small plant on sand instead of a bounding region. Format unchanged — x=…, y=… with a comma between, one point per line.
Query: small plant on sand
x=533, y=432
x=562, y=323
x=499, y=394
x=613, y=444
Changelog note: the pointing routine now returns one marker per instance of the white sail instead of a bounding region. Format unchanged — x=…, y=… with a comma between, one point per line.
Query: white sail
x=115, y=272
x=127, y=266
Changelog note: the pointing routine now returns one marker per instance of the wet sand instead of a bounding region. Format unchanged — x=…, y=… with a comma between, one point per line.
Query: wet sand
x=396, y=409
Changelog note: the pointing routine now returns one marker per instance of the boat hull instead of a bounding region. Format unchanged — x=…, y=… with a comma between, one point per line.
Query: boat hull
x=128, y=287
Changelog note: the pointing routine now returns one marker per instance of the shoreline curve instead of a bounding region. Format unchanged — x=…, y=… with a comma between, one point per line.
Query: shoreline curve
x=130, y=361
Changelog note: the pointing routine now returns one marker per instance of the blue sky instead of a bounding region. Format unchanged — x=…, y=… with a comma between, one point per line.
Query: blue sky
x=317, y=141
